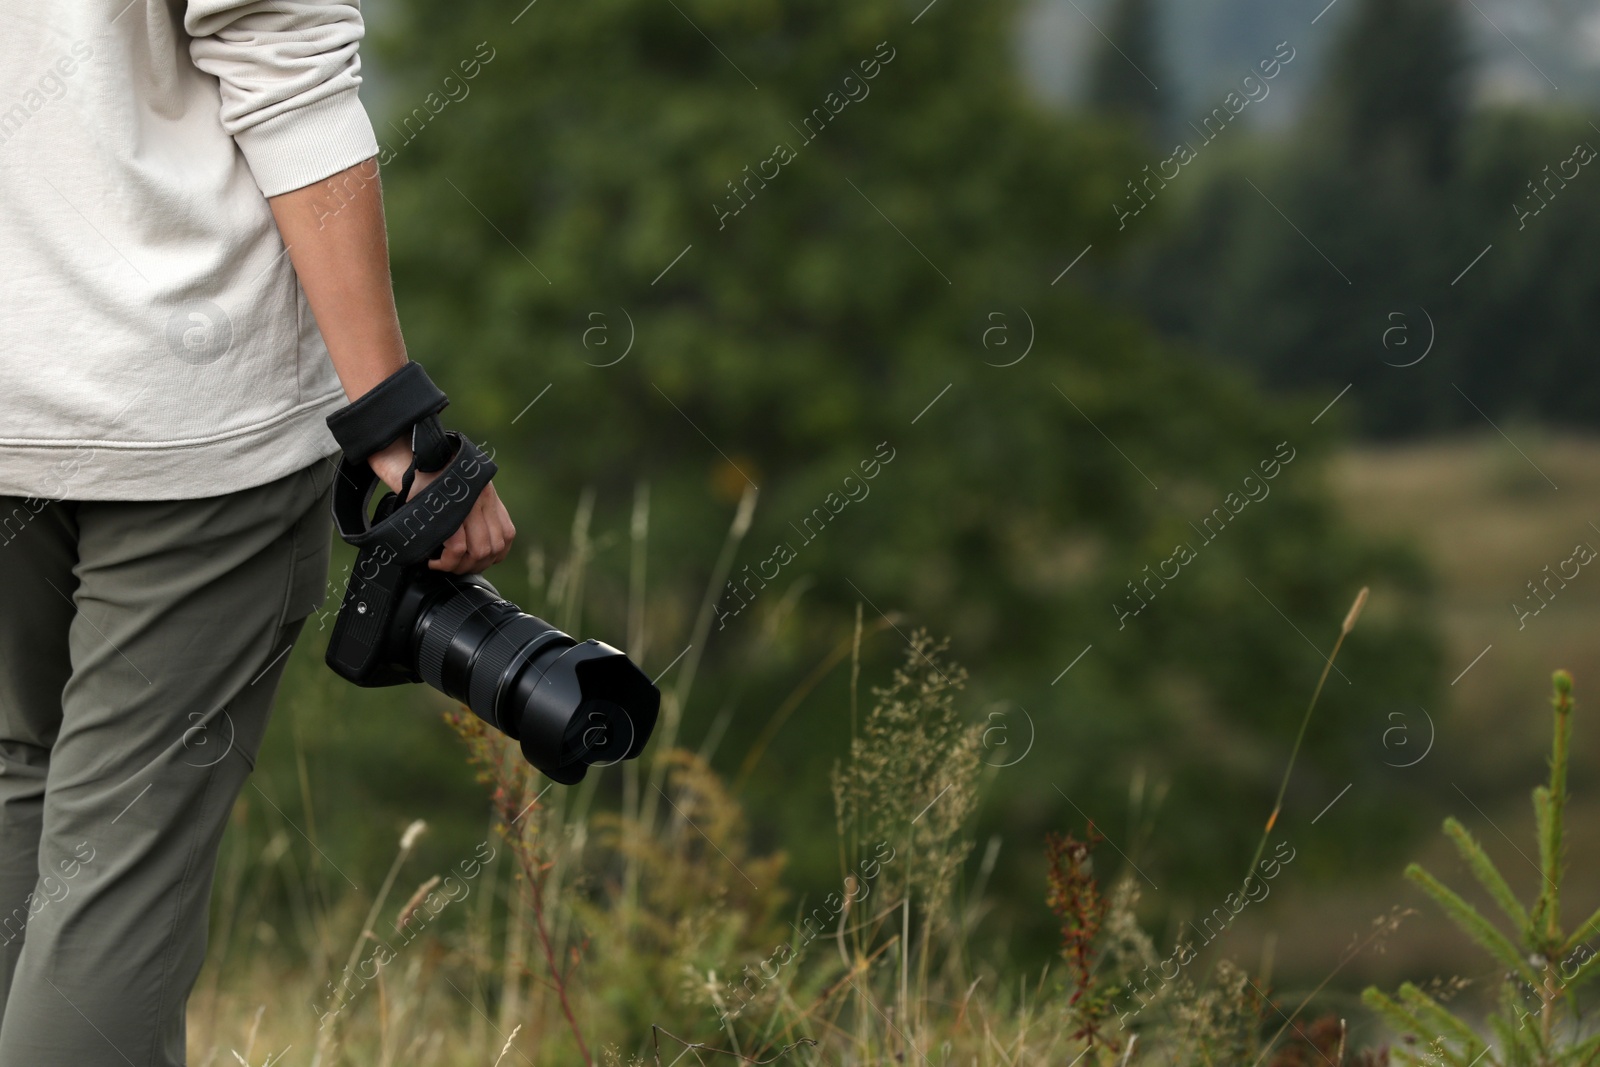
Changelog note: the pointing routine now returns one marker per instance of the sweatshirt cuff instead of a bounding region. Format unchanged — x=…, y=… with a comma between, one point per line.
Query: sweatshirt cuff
x=306, y=145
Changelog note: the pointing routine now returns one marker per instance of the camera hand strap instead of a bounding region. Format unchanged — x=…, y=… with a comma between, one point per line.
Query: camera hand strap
x=410, y=532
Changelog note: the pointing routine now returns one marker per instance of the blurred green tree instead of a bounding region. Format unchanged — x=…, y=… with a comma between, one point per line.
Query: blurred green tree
x=1126, y=69
x=1399, y=223
x=1397, y=84
x=811, y=236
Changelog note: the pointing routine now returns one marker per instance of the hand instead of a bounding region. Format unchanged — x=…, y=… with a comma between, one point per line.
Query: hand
x=483, y=540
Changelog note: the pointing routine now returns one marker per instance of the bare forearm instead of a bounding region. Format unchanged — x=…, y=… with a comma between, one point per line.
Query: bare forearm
x=335, y=234
x=336, y=239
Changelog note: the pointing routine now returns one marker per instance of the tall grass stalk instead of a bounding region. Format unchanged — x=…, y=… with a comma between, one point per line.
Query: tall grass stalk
x=850, y=646
x=673, y=700
x=638, y=635
x=1305, y=721
x=327, y=1036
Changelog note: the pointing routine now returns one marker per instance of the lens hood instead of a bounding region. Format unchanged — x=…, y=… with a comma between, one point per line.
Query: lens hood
x=590, y=705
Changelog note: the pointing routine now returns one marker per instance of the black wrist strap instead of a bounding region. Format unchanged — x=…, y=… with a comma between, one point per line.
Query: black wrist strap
x=407, y=400
x=412, y=531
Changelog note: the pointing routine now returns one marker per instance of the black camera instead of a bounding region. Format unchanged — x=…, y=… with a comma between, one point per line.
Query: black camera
x=571, y=704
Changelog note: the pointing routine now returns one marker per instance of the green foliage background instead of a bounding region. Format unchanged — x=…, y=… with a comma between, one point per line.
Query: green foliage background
x=1395, y=184
x=784, y=346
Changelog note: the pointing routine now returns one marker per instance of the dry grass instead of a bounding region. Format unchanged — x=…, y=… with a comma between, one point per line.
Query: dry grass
x=597, y=926
x=578, y=935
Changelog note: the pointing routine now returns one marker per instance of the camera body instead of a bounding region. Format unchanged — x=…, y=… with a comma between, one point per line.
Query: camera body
x=570, y=704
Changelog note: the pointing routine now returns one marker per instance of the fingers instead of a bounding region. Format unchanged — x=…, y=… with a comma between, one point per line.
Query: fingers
x=453, y=557
x=483, y=540
x=501, y=532
x=463, y=552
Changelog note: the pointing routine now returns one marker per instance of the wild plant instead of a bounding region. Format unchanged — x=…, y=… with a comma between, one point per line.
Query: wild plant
x=1536, y=1022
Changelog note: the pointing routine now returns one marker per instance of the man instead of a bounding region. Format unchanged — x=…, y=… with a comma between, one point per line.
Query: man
x=165, y=373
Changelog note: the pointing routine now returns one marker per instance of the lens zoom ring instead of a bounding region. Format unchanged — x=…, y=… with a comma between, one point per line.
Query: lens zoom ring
x=495, y=655
x=447, y=620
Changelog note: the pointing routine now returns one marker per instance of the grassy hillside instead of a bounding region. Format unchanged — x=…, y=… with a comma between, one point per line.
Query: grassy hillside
x=1489, y=518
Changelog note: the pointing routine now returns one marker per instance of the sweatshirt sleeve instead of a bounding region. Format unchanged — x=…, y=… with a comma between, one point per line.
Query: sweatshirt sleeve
x=289, y=72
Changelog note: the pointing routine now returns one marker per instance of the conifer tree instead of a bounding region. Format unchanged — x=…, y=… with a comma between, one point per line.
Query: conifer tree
x=1126, y=72
x=1397, y=82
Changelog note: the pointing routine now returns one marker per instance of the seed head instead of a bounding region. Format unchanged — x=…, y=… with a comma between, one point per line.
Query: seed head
x=1355, y=611
x=416, y=900
x=409, y=838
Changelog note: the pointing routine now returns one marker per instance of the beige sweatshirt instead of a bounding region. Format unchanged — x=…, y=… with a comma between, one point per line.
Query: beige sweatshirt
x=154, y=341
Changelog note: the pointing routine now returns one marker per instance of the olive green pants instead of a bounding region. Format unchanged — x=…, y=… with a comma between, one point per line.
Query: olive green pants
x=140, y=647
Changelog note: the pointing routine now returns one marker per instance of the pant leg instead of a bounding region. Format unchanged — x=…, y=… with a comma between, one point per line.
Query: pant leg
x=38, y=549
x=185, y=613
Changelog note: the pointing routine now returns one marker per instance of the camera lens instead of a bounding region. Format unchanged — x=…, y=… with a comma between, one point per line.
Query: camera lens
x=570, y=704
